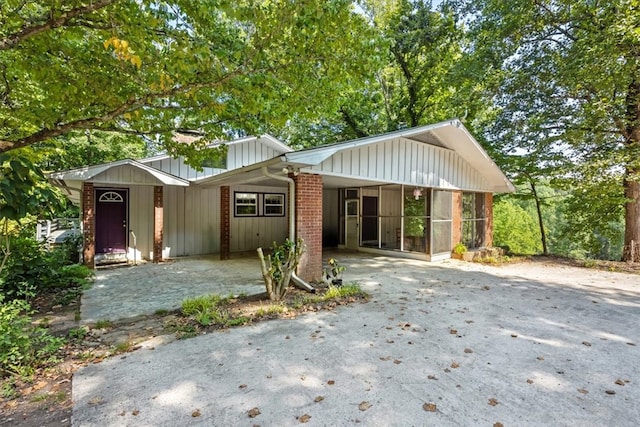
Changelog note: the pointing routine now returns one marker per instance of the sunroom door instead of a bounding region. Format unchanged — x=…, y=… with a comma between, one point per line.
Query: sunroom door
x=441, y=222
x=352, y=224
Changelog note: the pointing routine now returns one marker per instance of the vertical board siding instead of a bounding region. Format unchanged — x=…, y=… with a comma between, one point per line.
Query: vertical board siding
x=192, y=220
x=238, y=155
x=141, y=219
x=250, y=233
x=404, y=161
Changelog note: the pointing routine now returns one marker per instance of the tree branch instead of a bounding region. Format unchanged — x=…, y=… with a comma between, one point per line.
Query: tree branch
x=14, y=39
x=131, y=104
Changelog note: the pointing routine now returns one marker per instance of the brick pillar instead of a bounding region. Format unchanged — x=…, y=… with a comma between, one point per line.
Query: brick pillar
x=89, y=224
x=488, y=215
x=456, y=226
x=309, y=224
x=225, y=222
x=158, y=223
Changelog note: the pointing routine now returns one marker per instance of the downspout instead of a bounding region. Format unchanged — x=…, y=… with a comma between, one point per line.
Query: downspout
x=292, y=218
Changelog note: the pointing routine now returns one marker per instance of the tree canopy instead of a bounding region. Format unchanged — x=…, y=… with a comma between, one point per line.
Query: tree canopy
x=150, y=67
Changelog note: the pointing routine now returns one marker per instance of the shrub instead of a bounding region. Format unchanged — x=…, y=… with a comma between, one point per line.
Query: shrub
x=278, y=267
x=30, y=269
x=23, y=347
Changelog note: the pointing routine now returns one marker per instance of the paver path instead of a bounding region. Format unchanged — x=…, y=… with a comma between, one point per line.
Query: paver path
x=123, y=292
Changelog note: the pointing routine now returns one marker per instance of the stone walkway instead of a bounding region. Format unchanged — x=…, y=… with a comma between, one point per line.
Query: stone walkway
x=124, y=292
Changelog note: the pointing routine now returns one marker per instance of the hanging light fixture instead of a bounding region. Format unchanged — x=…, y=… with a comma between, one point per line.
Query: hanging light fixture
x=417, y=192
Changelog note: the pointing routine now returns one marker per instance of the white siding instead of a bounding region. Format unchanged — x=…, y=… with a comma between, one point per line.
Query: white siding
x=238, y=155
x=404, y=161
x=250, y=233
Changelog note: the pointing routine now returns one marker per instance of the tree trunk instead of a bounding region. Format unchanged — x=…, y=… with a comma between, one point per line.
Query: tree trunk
x=545, y=248
x=632, y=176
x=632, y=217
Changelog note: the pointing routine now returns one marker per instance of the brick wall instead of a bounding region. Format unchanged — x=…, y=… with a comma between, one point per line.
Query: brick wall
x=88, y=224
x=456, y=226
x=309, y=224
x=488, y=214
x=158, y=223
x=225, y=222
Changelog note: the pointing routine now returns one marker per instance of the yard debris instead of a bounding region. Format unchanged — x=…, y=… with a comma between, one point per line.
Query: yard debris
x=611, y=392
x=621, y=382
x=304, y=418
x=253, y=412
x=364, y=405
x=196, y=413
x=430, y=407
x=331, y=382
x=586, y=343
x=583, y=391
x=455, y=365
x=468, y=350
x=318, y=399
x=493, y=401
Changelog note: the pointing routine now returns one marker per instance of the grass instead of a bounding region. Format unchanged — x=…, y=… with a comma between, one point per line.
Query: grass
x=217, y=311
x=104, y=324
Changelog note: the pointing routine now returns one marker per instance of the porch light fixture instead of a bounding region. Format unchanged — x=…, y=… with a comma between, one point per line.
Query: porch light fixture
x=417, y=192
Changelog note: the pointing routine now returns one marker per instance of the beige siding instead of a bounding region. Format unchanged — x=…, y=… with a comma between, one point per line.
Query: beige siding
x=408, y=162
x=141, y=219
x=124, y=175
x=250, y=233
x=191, y=220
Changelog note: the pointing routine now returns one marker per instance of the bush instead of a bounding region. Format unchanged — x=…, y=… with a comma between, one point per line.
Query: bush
x=30, y=269
x=23, y=347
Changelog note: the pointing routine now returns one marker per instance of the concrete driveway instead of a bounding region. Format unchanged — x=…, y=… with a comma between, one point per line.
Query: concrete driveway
x=444, y=344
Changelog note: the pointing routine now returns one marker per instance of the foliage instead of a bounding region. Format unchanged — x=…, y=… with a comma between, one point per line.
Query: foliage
x=569, y=97
x=149, y=68
x=334, y=273
x=337, y=292
x=32, y=268
x=514, y=228
x=459, y=248
x=278, y=267
x=23, y=347
x=210, y=310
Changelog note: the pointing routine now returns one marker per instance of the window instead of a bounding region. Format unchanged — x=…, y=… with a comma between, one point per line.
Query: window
x=274, y=204
x=246, y=204
x=473, y=220
x=259, y=204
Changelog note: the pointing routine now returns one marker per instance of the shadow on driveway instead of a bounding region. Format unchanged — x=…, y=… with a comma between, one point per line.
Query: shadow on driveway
x=444, y=344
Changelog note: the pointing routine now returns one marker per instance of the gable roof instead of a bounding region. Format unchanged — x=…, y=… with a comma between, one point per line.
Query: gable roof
x=450, y=136
x=90, y=172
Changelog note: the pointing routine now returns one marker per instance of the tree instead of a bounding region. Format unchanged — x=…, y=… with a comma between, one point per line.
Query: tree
x=570, y=88
x=147, y=67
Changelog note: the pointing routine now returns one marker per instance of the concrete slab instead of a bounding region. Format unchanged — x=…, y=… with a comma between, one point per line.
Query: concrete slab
x=129, y=291
x=444, y=344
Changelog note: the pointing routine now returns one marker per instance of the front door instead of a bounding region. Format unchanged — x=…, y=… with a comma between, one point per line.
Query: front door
x=352, y=224
x=111, y=221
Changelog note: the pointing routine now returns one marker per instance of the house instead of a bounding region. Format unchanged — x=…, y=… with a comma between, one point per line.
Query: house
x=413, y=193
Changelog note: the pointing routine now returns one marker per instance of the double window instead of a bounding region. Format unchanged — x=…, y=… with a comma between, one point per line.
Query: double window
x=248, y=204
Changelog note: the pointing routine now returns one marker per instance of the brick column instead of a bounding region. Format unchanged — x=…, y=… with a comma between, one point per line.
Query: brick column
x=158, y=223
x=88, y=224
x=488, y=215
x=308, y=223
x=225, y=222
x=456, y=225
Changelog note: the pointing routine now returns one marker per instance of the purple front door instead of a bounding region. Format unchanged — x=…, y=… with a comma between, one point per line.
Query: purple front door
x=111, y=221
